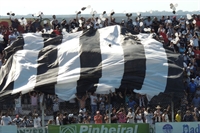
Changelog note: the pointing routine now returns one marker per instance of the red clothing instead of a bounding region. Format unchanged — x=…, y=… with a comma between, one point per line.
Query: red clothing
x=197, y=54
x=57, y=32
x=6, y=34
x=98, y=119
x=198, y=22
x=122, y=117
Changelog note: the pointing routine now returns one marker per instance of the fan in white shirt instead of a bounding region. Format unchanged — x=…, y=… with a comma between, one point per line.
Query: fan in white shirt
x=6, y=120
x=37, y=121
x=130, y=116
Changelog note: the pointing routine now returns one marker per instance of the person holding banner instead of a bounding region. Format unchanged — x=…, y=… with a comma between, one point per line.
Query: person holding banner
x=18, y=106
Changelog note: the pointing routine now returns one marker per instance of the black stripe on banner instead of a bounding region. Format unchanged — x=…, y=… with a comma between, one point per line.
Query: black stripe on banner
x=5, y=71
x=9, y=52
x=90, y=62
x=175, y=72
x=47, y=70
x=134, y=61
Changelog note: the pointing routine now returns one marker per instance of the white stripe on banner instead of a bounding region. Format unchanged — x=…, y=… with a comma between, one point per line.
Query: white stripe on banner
x=26, y=63
x=69, y=66
x=156, y=59
x=112, y=59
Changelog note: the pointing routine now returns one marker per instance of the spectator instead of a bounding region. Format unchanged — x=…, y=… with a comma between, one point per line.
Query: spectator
x=34, y=101
x=196, y=101
x=65, y=119
x=192, y=89
x=26, y=122
x=178, y=116
x=71, y=118
x=114, y=116
x=165, y=117
x=18, y=106
x=50, y=122
x=101, y=104
x=158, y=114
x=41, y=101
x=6, y=119
x=82, y=102
x=98, y=118
x=18, y=121
x=80, y=117
x=188, y=117
x=15, y=23
x=148, y=116
x=196, y=114
x=59, y=119
x=139, y=116
x=148, y=22
x=36, y=24
x=55, y=108
x=12, y=37
x=86, y=118
x=37, y=121
x=93, y=103
x=106, y=117
x=121, y=114
x=130, y=116
x=131, y=104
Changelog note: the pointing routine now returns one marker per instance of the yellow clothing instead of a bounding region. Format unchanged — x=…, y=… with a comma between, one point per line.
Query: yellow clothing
x=178, y=118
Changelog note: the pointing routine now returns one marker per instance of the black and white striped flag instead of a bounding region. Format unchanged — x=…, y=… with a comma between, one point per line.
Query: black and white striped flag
x=97, y=60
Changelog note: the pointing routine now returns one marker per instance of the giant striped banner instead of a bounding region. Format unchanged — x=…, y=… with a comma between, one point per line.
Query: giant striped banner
x=96, y=60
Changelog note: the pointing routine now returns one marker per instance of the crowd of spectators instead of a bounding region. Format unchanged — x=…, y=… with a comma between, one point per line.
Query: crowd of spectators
x=182, y=35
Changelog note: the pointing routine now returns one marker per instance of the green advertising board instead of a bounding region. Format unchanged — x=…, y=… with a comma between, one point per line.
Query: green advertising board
x=100, y=128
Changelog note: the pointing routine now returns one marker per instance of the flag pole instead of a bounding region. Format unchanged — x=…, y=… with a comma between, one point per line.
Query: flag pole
x=172, y=104
x=43, y=116
x=109, y=107
x=42, y=109
x=172, y=108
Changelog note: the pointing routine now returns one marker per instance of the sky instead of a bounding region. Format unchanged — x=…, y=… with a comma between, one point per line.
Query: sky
x=65, y=7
